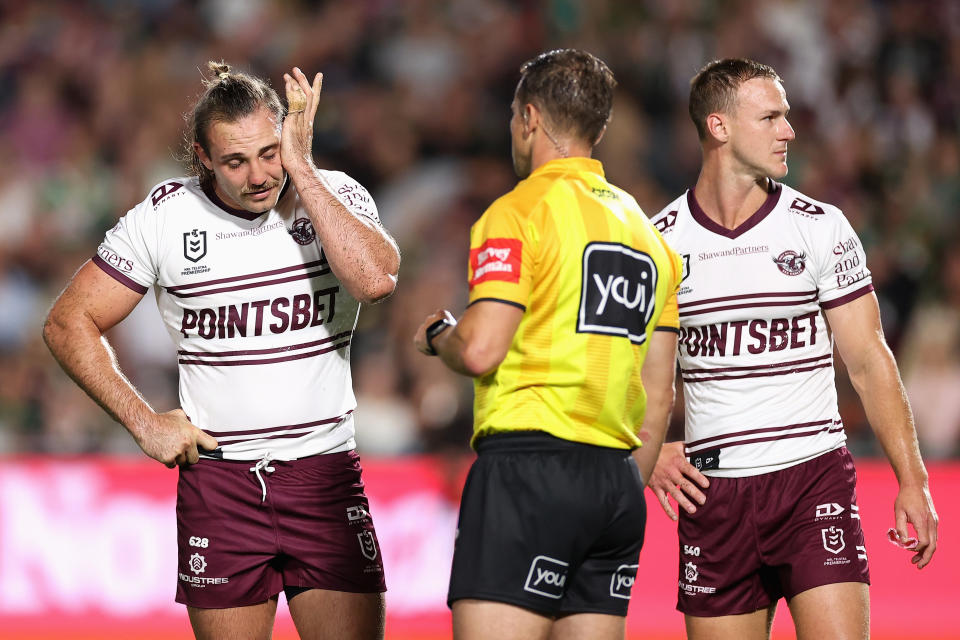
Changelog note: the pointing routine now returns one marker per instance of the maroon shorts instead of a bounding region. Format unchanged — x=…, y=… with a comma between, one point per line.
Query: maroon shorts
x=312, y=530
x=774, y=535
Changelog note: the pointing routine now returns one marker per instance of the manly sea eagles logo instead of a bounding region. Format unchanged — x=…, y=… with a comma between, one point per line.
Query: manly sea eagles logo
x=791, y=263
x=302, y=231
x=194, y=245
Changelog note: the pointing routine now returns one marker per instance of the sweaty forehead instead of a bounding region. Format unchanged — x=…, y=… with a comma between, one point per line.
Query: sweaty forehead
x=246, y=135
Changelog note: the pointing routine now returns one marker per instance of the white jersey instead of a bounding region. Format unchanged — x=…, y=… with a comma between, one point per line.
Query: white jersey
x=755, y=353
x=261, y=325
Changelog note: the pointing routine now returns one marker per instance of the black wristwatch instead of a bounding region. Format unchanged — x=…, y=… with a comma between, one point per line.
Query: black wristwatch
x=435, y=329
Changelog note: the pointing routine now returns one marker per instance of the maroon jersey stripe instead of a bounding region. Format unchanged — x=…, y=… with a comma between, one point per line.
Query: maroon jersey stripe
x=746, y=296
x=271, y=272
x=750, y=432
x=238, y=363
x=250, y=352
x=758, y=366
x=253, y=285
x=119, y=277
x=853, y=295
x=282, y=427
x=784, y=303
x=785, y=436
x=760, y=374
x=272, y=436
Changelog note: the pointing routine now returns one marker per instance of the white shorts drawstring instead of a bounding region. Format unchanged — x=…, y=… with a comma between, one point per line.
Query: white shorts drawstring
x=262, y=464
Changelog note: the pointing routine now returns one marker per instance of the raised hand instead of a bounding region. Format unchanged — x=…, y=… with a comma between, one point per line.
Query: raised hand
x=296, y=137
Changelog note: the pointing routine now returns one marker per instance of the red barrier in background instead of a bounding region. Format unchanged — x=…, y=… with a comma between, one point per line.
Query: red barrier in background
x=87, y=550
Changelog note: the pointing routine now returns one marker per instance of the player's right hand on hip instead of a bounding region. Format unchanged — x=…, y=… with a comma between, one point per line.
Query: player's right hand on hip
x=674, y=476
x=173, y=440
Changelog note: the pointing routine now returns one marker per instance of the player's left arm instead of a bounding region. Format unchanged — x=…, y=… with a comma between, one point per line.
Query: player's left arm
x=361, y=253
x=873, y=371
x=478, y=343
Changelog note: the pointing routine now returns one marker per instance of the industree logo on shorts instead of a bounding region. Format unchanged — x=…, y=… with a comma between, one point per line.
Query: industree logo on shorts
x=547, y=577
x=198, y=565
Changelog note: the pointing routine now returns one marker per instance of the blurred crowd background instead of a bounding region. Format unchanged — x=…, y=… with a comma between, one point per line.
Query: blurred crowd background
x=415, y=106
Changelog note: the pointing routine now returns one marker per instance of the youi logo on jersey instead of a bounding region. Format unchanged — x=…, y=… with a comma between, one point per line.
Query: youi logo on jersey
x=618, y=292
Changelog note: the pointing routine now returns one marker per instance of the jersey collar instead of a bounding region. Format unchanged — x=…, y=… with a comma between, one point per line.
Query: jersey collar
x=211, y=194
x=773, y=196
x=570, y=165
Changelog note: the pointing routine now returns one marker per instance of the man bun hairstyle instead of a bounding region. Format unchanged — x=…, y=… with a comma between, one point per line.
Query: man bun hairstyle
x=714, y=88
x=228, y=96
x=573, y=88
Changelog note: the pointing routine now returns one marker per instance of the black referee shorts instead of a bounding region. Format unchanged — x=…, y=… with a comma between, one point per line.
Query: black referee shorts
x=549, y=525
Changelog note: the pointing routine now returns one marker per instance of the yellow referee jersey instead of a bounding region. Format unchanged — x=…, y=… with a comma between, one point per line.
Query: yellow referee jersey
x=595, y=279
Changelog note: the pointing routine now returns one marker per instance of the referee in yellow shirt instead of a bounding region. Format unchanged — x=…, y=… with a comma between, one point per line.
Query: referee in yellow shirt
x=570, y=335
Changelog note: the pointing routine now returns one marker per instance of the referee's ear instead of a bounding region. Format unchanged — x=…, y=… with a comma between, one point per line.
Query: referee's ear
x=600, y=136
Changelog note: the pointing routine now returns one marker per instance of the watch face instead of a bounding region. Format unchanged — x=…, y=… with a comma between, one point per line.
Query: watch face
x=436, y=329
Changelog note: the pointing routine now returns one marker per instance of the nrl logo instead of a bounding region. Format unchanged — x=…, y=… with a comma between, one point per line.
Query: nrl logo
x=368, y=546
x=194, y=245
x=791, y=263
x=833, y=540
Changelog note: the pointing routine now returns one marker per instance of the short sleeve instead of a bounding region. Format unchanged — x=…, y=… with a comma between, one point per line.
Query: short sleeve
x=125, y=253
x=351, y=195
x=501, y=257
x=843, y=275
x=670, y=317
